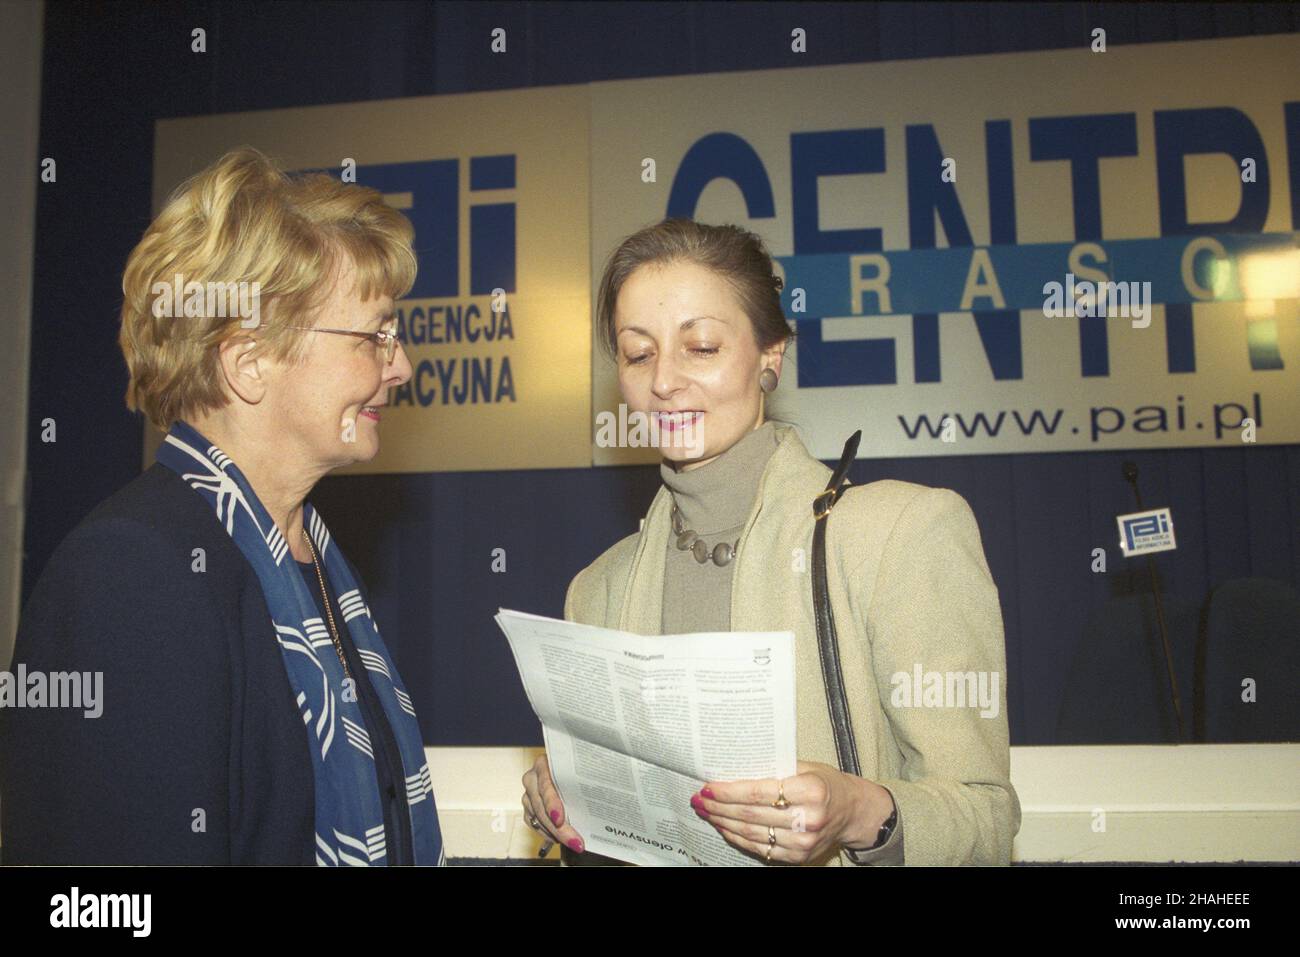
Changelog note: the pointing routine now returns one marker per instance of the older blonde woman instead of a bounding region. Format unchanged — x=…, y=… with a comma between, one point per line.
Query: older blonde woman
x=692, y=315
x=252, y=713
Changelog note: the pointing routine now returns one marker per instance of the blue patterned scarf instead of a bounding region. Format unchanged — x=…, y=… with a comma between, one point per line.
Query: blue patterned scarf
x=349, y=809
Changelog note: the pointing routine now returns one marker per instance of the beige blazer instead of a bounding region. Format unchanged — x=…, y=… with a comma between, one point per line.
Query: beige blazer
x=910, y=589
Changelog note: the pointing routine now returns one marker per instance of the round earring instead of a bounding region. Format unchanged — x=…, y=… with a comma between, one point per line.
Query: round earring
x=767, y=380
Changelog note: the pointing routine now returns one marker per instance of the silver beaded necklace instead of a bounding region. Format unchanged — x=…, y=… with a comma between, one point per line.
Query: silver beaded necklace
x=721, y=553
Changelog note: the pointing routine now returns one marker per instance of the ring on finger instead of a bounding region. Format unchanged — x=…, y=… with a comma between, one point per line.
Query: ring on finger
x=780, y=801
x=771, y=836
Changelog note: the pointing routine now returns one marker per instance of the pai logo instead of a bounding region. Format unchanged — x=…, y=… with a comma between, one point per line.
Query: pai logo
x=1144, y=532
x=428, y=192
x=438, y=311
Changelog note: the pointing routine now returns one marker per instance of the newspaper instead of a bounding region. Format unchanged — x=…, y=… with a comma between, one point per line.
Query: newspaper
x=636, y=724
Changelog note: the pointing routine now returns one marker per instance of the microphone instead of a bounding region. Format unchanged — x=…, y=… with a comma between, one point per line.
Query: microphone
x=1130, y=473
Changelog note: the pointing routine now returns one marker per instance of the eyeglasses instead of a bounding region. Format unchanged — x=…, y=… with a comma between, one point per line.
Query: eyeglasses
x=385, y=339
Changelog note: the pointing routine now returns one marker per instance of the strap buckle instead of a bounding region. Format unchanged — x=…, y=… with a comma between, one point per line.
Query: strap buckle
x=820, y=511
x=836, y=485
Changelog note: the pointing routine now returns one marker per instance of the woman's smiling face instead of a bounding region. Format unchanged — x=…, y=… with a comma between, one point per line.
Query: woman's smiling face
x=330, y=403
x=687, y=358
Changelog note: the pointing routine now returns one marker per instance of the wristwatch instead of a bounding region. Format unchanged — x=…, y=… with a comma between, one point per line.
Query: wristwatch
x=882, y=836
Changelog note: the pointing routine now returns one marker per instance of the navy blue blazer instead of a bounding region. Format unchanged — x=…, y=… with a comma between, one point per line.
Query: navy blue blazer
x=200, y=755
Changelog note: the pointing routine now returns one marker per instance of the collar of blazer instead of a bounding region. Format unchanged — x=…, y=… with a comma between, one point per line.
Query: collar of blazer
x=779, y=523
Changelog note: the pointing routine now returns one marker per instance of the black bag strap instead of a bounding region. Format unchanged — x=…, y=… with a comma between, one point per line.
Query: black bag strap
x=827, y=642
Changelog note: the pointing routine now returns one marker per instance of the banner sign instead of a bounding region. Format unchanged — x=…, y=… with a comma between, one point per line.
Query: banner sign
x=1048, y=251
x=1062, y=250
x=498, y=325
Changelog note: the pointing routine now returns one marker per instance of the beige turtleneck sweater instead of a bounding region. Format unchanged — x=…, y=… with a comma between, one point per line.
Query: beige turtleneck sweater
x=715, y=500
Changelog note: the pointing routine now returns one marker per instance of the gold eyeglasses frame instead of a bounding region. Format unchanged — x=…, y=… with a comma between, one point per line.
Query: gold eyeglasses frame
x=385, y=339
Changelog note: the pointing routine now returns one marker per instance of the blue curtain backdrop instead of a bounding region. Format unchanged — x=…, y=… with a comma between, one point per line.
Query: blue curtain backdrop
x=423, y=543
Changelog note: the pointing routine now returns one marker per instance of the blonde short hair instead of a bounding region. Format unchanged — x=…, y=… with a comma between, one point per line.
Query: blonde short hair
x=242, y=220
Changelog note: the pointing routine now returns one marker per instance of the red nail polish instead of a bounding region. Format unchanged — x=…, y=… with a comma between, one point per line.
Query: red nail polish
x=707, y=792
x=576, y=845
x=555, y=818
